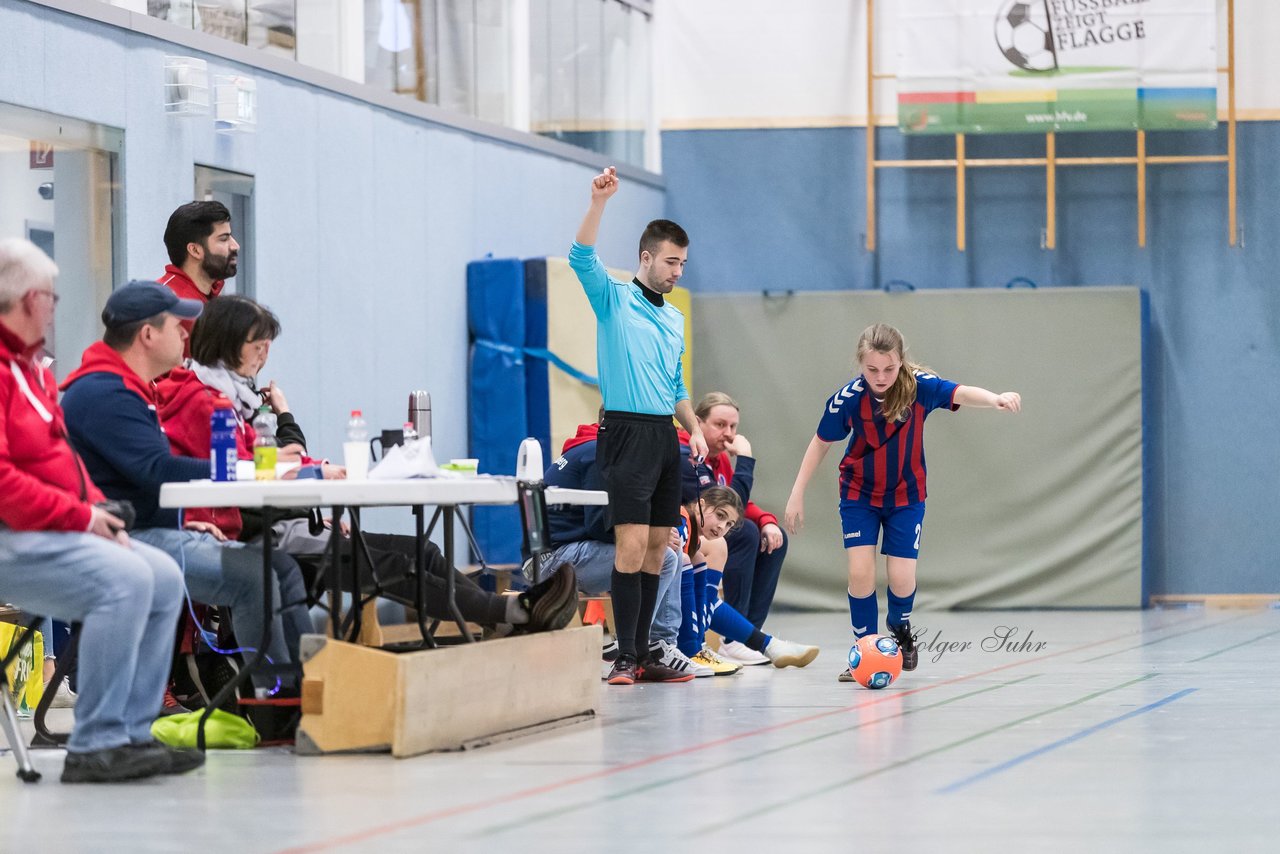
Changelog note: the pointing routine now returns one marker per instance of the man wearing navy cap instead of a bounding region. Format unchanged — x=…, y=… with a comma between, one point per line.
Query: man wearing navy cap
x=110, y=402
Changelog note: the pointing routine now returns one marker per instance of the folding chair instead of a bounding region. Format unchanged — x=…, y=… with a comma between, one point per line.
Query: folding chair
x=67, y=660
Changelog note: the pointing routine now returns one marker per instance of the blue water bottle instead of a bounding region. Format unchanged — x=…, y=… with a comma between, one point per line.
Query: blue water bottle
x=222, y=441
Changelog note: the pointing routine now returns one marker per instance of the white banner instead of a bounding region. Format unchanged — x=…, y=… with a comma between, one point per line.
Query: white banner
x=1000, y=66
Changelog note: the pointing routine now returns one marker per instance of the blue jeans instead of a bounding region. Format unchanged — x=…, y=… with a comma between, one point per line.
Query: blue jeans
x=230, y=574
x=46, y=632
x=750, y=575
x=593, y=563
x=128, y=599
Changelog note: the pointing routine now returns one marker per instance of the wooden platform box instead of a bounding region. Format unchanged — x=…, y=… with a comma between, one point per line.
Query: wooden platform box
x=355, y=698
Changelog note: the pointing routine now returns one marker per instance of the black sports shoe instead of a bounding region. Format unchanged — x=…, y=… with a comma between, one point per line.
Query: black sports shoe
x=624, y=671
x=181, y=760
x=906, y=643
x=114, y=764
x=654, y=670
x=551, y=603
x=170, y=705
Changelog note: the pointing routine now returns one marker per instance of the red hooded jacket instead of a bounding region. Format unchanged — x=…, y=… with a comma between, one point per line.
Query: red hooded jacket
x=98, y=358
x=185, y=406
x=180, y=283
x=43, y=484
x=586, y=433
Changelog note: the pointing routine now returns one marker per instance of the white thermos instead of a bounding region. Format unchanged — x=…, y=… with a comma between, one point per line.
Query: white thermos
x=420, y=413
x=529, y=461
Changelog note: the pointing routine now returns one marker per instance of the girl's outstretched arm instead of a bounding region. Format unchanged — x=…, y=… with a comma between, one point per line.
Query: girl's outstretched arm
x=971, y=395
x=813, y=456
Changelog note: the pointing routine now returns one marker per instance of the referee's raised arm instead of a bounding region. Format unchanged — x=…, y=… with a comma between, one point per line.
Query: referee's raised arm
x=582, y=255
x=603, y=186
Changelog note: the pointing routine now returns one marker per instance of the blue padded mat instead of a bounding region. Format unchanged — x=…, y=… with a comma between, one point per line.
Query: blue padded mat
x=498, y=419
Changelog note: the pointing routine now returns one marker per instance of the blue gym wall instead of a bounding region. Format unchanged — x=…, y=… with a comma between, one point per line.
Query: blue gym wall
x=785, y=209
x=366, y=217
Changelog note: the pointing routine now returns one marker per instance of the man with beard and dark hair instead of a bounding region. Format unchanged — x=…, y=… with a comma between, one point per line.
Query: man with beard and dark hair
x=201, y=250
x=639, y=351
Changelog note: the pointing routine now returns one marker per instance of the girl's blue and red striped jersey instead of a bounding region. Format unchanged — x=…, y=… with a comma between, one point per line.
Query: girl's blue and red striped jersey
x=883, y=465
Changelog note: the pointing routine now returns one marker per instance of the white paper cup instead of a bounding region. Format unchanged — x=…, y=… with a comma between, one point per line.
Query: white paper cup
x=355, y=456
x=245, y=470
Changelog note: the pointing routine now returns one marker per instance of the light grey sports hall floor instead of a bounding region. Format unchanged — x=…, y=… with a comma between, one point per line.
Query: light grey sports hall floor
x=1125, y=731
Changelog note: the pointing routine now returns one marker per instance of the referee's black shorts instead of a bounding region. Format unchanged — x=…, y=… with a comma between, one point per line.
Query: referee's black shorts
x=639, y=459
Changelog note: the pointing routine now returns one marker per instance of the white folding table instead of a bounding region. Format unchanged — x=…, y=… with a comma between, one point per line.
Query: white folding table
x=447, y=494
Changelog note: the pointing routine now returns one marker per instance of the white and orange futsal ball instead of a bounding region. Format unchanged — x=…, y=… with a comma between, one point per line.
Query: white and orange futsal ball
x=875, y=661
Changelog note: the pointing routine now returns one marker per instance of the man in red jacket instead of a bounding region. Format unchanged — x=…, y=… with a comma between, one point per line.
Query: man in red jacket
x=63, y=556
x=202, y=252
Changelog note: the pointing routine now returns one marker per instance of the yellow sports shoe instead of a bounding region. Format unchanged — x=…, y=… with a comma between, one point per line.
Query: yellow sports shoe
x=718, y=665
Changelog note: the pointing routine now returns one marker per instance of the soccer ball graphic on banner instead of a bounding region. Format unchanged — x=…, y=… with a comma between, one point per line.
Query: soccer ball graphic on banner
x=1024, y=35
x=875, y=661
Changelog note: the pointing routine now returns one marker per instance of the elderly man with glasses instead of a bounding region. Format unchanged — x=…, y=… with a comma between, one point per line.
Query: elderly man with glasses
x=64, y=556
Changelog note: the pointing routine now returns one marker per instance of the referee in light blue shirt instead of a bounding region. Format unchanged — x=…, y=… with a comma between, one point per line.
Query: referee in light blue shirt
x=640, y=340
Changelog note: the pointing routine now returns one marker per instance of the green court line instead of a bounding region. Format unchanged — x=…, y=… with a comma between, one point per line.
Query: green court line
x=1234, y=646
x=1167, y=637
x=761, y=811
x=737, y=760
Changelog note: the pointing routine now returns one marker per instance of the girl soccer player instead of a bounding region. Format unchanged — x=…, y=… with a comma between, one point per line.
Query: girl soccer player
x=882, y=475
x=703, y=525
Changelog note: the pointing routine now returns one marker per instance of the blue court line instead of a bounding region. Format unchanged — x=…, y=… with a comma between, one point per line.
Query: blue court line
x=1084, y=733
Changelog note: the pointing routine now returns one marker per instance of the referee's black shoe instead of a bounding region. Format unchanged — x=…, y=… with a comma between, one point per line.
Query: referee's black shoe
x=653, y=670
x=906, y=643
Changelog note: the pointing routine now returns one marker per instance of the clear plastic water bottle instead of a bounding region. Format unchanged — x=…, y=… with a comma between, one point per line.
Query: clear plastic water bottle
x=355, y=450
x=357, y=429
x=264, y=445
x=410, y=434
x=222, y=441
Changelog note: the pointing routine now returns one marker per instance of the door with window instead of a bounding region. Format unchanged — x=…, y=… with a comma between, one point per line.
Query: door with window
x=60, y=188
x=235, y=190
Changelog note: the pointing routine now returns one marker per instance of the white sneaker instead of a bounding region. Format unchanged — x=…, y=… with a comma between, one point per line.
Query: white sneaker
x=785, y=653
x=670, y=655
x=740, y=653
x=64, y=698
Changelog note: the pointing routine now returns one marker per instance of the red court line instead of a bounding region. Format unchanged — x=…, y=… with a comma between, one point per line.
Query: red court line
x=524, y=794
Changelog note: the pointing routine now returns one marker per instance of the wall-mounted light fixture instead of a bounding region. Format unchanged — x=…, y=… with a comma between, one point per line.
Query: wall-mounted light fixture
x=186, y=86
x=235, y=104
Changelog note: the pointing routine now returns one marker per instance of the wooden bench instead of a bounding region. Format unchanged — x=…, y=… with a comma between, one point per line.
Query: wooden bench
x=355, y=698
